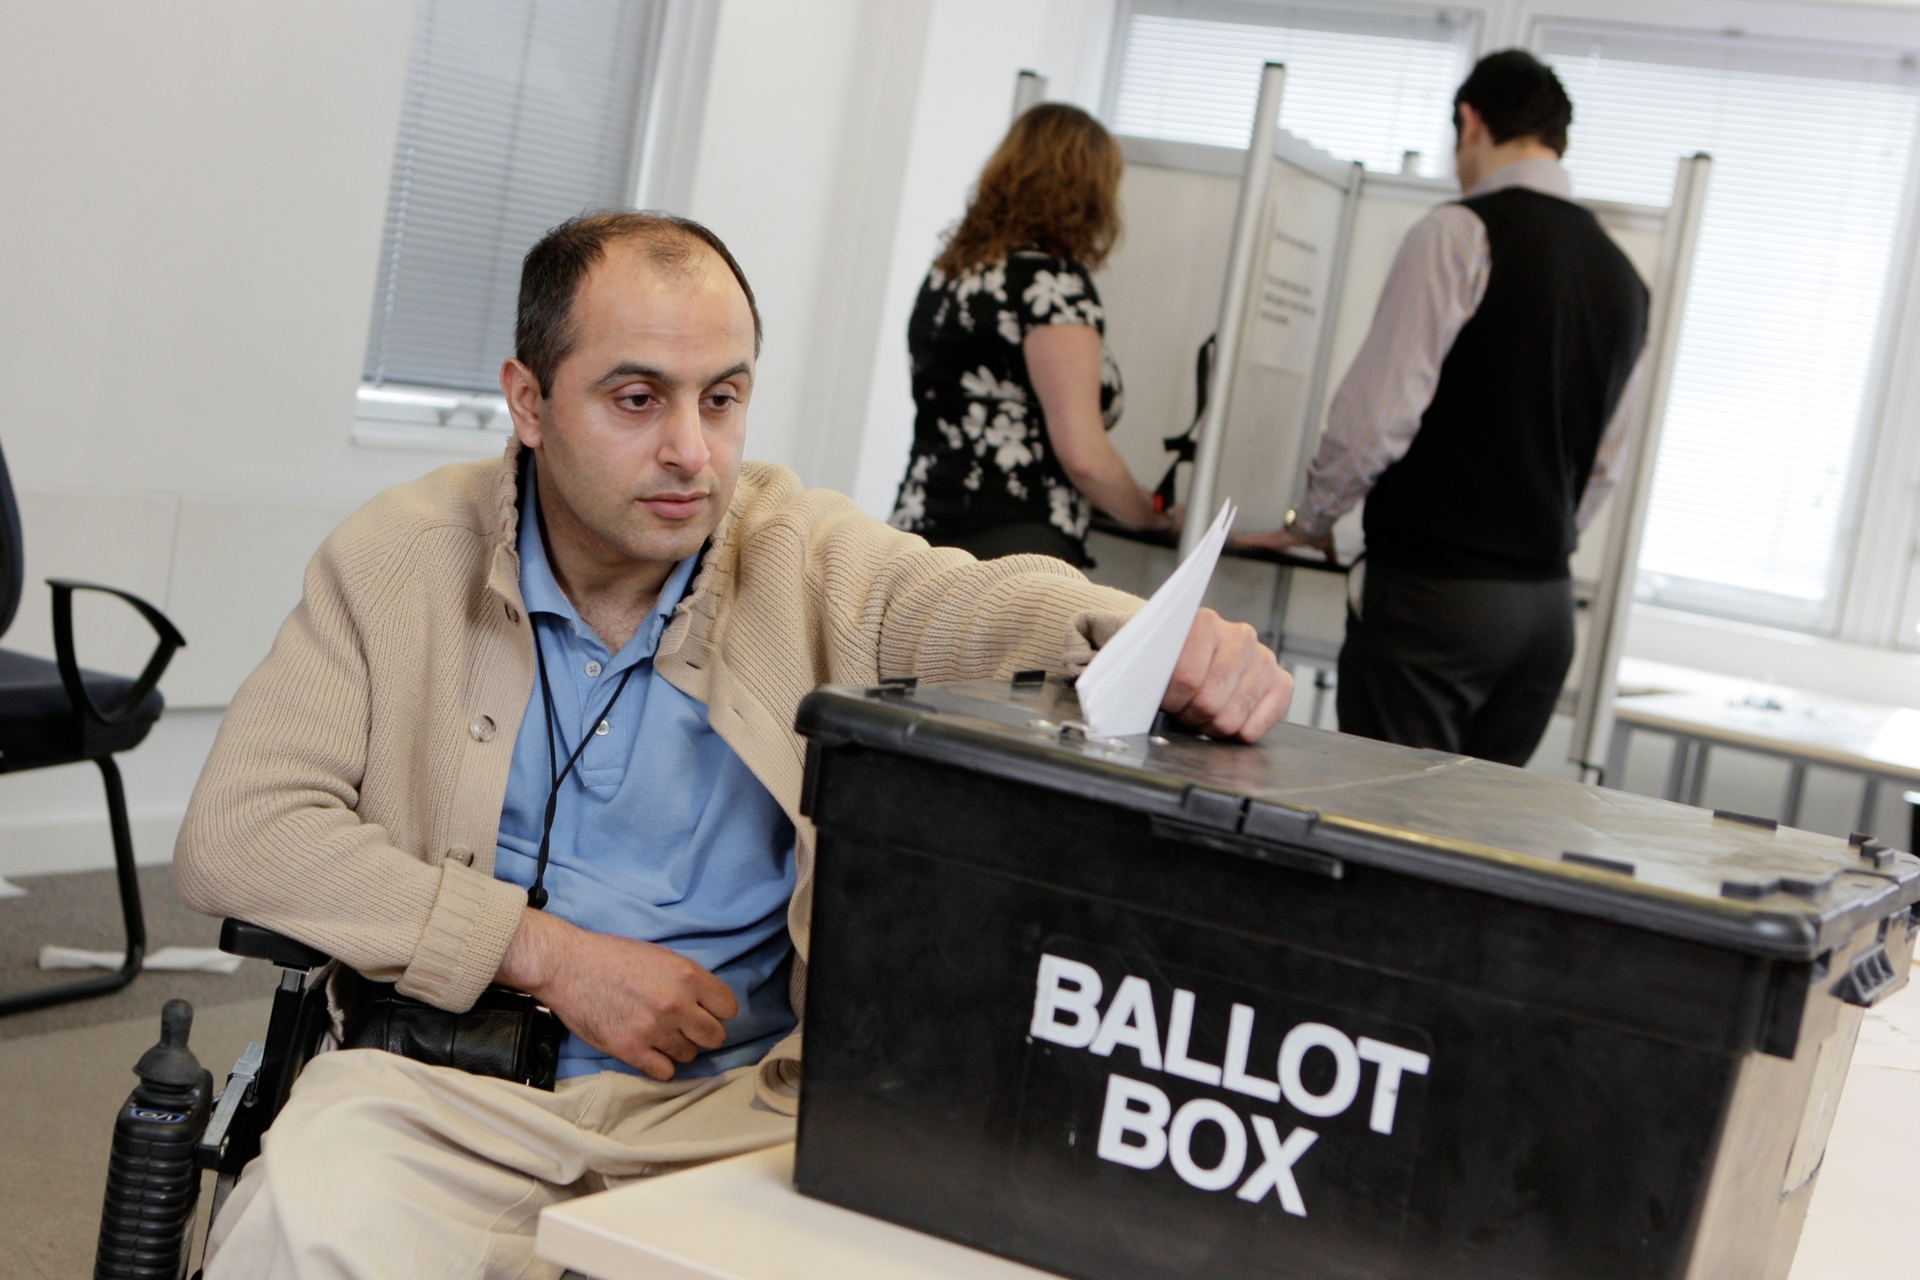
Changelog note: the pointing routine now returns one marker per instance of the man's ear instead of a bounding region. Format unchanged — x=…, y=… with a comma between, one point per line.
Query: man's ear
x=1471, y=127
x=524, y=401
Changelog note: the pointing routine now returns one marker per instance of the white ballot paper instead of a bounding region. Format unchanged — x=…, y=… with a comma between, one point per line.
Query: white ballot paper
x=1121, y=689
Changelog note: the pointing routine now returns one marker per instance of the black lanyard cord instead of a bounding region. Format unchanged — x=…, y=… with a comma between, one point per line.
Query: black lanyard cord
x=537, y=895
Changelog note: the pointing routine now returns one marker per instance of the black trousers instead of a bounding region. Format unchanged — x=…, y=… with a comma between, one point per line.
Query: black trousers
x=1032, y=537
x=1469, y=665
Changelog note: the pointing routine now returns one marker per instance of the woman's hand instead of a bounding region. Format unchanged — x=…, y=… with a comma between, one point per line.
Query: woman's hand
x=1063, y=364
x=1157, y=522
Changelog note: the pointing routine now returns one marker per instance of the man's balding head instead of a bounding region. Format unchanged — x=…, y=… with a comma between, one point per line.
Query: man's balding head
x=544, y=331
x=637, y=343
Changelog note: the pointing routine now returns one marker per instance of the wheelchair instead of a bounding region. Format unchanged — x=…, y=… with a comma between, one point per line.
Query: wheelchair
x=152, y=1199
x=153, y=1181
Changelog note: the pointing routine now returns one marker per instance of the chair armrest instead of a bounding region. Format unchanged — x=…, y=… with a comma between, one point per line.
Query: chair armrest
x=69, y=661
x=256, y=942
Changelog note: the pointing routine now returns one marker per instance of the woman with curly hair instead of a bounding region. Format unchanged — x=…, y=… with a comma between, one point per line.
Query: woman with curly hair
x=1013, y=385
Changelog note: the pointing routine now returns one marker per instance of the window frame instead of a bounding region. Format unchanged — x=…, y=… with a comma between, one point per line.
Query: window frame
x=1476, y=16
x=671, y=98
x=1875, y=577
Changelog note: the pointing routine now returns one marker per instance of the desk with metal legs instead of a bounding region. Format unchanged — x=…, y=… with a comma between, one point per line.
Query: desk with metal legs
x=1700, y=710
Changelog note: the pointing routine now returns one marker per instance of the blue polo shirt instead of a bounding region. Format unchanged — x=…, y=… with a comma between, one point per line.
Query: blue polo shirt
x=662, y=833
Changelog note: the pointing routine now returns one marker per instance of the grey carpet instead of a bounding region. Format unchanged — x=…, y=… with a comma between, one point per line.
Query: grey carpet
x=83, y=910
x=62, y=1089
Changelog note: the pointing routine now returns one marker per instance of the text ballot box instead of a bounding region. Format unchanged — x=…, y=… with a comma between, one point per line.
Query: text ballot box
x=1323, y=1007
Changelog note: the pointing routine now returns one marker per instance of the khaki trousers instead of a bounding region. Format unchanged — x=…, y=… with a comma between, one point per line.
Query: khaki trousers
x=379, y=1166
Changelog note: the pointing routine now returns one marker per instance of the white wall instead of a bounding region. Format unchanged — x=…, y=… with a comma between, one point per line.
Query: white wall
x=196, y=190
x=794, y=108
x=976, y=49
x=194, y=197
x=839, y=139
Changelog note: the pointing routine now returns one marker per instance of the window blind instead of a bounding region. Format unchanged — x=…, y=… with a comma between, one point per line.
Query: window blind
x=517, y=115
x=1365, y=84
x=1811, y=147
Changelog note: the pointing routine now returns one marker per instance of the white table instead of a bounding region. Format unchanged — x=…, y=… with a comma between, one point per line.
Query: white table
x=741, y=1219
x=1701, y=709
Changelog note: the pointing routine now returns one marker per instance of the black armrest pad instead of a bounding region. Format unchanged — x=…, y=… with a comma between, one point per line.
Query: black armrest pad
x=239, y=938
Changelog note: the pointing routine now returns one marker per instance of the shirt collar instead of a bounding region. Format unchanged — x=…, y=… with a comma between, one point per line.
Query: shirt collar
x=1549, y=177
x=542, y=594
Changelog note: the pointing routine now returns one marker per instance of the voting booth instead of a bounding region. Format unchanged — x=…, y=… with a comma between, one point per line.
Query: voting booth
x=1151, y=1006
x=1286, y=249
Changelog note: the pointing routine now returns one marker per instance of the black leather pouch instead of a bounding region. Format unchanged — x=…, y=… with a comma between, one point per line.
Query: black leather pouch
x=506, y=1034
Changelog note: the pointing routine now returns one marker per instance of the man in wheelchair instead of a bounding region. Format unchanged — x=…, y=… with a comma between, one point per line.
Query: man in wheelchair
x=524, y=751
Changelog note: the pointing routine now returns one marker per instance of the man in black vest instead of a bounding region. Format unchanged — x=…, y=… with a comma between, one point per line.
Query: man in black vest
x=1481, y=422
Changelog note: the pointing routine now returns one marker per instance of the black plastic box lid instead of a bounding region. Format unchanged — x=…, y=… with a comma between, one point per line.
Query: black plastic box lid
x=1317, y=801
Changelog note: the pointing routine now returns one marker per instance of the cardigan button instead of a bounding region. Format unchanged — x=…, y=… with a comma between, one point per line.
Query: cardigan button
x=513, y=614
x=461, y=854
x=482, y=729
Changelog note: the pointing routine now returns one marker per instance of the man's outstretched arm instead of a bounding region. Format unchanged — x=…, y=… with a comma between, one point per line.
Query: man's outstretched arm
x=938, y=614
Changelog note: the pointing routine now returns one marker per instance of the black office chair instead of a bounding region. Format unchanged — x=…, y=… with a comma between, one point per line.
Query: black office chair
x=55, y=713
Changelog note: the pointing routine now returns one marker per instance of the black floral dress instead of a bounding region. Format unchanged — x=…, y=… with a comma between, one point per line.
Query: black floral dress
x=981, y=456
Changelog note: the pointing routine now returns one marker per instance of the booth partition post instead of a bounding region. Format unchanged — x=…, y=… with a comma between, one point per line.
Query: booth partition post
x=1315, y=403
x=1029, y=90
x=1247, y=222
x=1613, y=595
x=1329, y=320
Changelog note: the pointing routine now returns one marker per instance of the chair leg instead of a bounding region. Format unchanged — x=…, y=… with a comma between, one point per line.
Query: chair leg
x=130, y=913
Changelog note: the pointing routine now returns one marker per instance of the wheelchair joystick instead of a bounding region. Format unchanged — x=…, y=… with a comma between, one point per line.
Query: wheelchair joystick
x=153, y=1181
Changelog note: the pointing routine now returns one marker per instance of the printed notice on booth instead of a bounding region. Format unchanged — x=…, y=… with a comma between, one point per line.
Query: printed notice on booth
x=1286, y=322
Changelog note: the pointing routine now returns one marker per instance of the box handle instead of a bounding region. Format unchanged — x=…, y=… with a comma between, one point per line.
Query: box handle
x=1282, y=855
x=1869, y=977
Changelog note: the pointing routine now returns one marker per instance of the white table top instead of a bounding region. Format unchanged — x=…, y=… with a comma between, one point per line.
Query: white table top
x=741, y=1219
x=1862, y=736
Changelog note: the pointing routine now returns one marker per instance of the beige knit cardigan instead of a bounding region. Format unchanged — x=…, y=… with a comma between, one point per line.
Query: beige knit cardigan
x=353, y=795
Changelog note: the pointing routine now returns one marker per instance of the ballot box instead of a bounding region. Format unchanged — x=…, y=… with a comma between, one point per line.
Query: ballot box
x=1321, y=1007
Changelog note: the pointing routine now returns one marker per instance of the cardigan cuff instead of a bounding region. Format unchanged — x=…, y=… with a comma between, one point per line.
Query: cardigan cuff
x=1089, y=632
x=472, y=924
x=776, y=1083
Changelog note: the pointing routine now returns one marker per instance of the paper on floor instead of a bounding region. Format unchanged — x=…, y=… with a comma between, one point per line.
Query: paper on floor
x=166, y=959
x=10, y=890
x=1121, y=689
